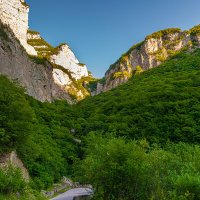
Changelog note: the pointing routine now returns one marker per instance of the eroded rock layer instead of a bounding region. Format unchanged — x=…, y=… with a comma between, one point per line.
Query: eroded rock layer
x=148, y=54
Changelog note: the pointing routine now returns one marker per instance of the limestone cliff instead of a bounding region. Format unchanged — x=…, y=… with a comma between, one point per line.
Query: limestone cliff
x=66, y=58
x=36, y=78
x=148, y=54
x=47, y=73
x=68, y=73
x=14, y=13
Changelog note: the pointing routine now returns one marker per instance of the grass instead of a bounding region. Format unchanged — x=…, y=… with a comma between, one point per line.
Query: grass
x=125, y=55
x=33, y=32
x=3, y=33
x=162, y=33
x=81, y=64
x=24, y=4
x=39, y=44
x=195, y=30
x=38, y=59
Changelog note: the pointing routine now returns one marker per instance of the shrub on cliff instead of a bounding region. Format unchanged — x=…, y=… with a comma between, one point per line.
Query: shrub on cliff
x=11, y=180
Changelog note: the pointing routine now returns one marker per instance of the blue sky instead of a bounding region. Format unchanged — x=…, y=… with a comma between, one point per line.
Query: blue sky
x=99, y=31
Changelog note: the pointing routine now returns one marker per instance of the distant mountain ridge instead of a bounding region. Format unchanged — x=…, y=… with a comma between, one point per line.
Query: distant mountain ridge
x=148, y=54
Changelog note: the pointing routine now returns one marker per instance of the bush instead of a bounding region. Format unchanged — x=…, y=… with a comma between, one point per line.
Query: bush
x=129, y=170
x=11, y=180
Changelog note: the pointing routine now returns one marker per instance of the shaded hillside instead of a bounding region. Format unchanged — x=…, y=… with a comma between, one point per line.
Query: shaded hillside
x=159, y=104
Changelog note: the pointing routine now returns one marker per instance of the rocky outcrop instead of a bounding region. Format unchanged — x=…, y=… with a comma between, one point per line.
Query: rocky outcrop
x=36, y=78
x=12, y=158
x=14, y=13
x=65, y=57
x=48, y=73
x=148, y=54
x=67, y=73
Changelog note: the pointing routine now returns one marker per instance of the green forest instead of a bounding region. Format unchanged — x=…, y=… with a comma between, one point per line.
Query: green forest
x=139, y=141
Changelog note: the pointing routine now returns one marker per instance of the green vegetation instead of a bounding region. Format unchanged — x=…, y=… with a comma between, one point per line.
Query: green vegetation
x=3, y=33
x=42, y=140
x=121, y=74
x=138, y=70
x=160, y=106
x=43, y=48
x=125, y=55
x=161, y=55
x=155, y=104
x=195, y=30
x=92, y=85
x=11, y=180
x=142, y=137
x=38, y=59
x=33, y=32
x=80, y=85
x=81, y=64
x=162, y=33
x=130, y=170
x=13, y=186
x=24, y=3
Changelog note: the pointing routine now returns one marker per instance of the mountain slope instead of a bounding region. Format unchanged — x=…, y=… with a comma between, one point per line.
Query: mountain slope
x=35, y=77
x=159, y=104
x=60, y=76
x=150, y=53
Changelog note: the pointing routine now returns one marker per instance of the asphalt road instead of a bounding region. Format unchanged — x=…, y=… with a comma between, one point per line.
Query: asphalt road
x=71, y=194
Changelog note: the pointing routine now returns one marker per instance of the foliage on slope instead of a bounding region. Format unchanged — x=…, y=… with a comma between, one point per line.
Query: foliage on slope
x=160, y=104
x=130, y=170
x=38, y=132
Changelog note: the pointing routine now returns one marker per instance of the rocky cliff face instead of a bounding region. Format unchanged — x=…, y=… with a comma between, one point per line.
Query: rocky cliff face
x=51, y=73
x=36, y=78
x=68, y=73
x=148, y=54
x=66, y=58
x=14, y=13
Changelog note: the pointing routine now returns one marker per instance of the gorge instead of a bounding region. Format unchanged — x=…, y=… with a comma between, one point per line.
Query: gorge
x=132, y=135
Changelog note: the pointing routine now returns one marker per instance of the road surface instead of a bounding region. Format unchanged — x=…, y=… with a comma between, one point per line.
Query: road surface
x=73, y=193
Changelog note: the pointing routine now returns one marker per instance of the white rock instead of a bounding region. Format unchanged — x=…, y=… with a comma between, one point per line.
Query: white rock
x=33, y=36
x=152, y=45
x=66, y=58
x=14, y=13
x=60, y=77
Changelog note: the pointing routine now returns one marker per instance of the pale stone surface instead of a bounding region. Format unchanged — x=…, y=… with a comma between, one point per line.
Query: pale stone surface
x=12, y=158
x=147, y=57
x=75, y=194
x=152, y=45
x=35, y=78
x=66, y=58
x=44, y=82
x=15, y=14
x=33, y=36
x=61, y=78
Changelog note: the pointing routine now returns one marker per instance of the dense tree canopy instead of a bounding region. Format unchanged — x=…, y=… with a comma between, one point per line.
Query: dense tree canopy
x=151, y=122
